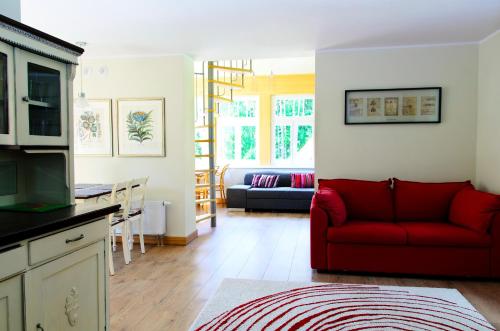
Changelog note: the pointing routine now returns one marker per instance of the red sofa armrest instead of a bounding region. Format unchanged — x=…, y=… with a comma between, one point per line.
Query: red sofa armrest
x=495, y=246
x=319, y=227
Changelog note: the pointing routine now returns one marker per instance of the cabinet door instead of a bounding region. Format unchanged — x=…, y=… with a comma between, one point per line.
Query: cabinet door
x=11, y=304
x=68, y=293
x=7, y=95
x=41, y=100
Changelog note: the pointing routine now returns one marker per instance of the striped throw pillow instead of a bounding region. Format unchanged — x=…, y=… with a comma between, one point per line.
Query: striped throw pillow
x=302, y=180
x=265, y=181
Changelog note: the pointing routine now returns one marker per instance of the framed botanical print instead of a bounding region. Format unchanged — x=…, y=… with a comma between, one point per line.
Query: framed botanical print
x=93, y=129
x=393, y=106
x=141, y=127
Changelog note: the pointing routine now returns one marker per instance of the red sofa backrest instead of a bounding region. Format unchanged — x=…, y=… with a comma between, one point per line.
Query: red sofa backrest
x=429, y=202
x=364, y=200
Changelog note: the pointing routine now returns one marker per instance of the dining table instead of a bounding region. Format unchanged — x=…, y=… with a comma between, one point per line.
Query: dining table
x=86, y=192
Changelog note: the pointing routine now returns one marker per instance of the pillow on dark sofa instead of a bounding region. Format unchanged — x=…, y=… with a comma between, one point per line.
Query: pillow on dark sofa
x=429, y=202
x=474, y=209
x=265, y=181
x=331, y=202
x=364, y=200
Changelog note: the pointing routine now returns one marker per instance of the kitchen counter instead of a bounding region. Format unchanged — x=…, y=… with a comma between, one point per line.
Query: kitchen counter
x=18, y=226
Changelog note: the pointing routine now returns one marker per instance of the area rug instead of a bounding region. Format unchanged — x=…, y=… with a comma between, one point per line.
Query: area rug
x=266, y=305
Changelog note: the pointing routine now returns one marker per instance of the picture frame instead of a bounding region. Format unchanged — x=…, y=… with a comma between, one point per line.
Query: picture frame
x=140, y=127
x=93, y=129
x=393, y=106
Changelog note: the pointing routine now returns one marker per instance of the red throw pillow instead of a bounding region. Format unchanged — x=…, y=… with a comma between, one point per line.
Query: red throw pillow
x=474, y=209
x=364, y=200
x=430, y=202
x=302, y=180
x=330, y=201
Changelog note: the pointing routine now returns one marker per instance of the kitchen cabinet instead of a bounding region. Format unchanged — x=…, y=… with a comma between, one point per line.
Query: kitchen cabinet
x=7, y=95
x=11, y=304
x=42, y=103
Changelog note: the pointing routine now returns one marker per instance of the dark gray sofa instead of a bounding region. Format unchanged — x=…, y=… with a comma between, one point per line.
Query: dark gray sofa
x=283, y=197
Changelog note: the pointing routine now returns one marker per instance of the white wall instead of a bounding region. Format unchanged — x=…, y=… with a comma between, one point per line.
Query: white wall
x=488, y=128
x=11, y=8
x=172, y=177
x=427, y=152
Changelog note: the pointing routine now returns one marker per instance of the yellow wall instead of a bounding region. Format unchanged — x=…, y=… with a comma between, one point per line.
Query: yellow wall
x=265, y=87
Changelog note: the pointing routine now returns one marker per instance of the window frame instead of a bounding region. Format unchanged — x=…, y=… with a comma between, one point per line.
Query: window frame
x=292, y=121
x=238, y=123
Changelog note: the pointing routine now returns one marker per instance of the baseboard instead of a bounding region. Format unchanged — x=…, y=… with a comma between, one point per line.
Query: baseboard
x=150, y=239
x=180, y=241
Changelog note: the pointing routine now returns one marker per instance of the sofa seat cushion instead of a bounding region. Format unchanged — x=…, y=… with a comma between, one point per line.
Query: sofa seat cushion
x=364, y=200
x=280, y=193
x=367, y=232
x=415, y=201
x=442, y=234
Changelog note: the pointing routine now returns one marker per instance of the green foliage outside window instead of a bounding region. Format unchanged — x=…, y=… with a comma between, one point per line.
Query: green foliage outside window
x=282, y=143
x=248, y=142
x=229, y=143
x=304, y=133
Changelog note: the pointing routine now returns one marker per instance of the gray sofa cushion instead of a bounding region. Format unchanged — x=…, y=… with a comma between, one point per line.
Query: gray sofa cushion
x=280, y=193
x=237, y=196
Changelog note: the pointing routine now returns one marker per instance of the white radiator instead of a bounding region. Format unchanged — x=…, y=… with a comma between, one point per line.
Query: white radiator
x=155, y=218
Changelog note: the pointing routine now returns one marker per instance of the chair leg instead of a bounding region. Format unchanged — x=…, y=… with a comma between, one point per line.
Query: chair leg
x=141, y=234
x=110, y=254
x=130, y=236
x=113, y=238
x=126, y=251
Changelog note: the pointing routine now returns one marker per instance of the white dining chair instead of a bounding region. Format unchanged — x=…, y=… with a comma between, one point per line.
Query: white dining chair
x=136, y=215
x=119, y=194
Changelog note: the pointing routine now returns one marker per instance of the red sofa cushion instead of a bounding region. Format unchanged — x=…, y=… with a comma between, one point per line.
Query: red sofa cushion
x=442, y=234
x=367, y=232
x=474, y=209
x=365, y=200
x=414, y=201
x=332, y=203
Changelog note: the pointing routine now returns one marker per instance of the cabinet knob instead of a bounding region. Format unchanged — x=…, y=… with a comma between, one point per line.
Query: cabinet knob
x=26, y=99
x=39, y=327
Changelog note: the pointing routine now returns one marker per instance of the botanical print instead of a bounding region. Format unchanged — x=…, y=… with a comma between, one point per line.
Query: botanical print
x=391, y=106
x=374, y=107
x=428, y=105
x=89, y=127
x=409, y=106
x=92, y=129
x=356, y=106
x=141, y=127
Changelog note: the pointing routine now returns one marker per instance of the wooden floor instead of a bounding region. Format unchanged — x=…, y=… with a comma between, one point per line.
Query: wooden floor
x=166, y=288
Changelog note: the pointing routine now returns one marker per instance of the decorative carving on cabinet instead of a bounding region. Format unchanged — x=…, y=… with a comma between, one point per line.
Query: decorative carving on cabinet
x=72, y=306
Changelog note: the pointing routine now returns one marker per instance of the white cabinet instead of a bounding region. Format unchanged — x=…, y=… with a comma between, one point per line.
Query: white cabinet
x=68, y=293
x=11, y=304
x=7, y=95
x=41, y=100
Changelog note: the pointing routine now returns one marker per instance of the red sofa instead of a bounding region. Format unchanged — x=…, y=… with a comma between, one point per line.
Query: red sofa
x=401, y=227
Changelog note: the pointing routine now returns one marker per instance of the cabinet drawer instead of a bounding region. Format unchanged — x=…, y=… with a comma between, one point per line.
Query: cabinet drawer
x=13, y=261
x=66, y=241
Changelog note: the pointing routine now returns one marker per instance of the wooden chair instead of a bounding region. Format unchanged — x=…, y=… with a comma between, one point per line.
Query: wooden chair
x=136, y=214
x=221, y=186
x=118, y=220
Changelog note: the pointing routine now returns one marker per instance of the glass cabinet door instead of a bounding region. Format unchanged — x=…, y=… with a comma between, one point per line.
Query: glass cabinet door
x=42, y=115
x=7, y=134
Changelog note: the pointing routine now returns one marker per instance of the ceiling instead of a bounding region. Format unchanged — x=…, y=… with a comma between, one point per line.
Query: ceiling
x=219, y=29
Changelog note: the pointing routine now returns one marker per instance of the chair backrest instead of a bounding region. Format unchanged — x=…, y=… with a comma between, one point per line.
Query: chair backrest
x=120, y=193
x=138, y=187
x=223, y=173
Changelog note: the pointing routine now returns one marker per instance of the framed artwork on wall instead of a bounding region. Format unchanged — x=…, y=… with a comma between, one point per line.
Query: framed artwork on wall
x=141, y=127
x=93, y=129
x=393, y=106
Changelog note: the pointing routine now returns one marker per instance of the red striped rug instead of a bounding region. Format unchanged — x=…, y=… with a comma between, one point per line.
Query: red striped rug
x=260, y=305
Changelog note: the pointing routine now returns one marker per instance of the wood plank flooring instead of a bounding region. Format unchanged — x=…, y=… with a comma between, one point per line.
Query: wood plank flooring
x=166, y=288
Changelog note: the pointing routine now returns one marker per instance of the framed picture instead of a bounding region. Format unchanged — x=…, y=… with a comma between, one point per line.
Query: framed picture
x=141, y=124
x=93, y=129
x=393, y=106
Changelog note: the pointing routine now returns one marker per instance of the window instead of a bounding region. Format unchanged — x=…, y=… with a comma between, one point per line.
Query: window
x=293, y=131
x=237, y=131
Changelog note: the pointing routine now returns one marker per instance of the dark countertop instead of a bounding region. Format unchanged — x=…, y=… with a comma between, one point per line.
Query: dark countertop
x=18, y=226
